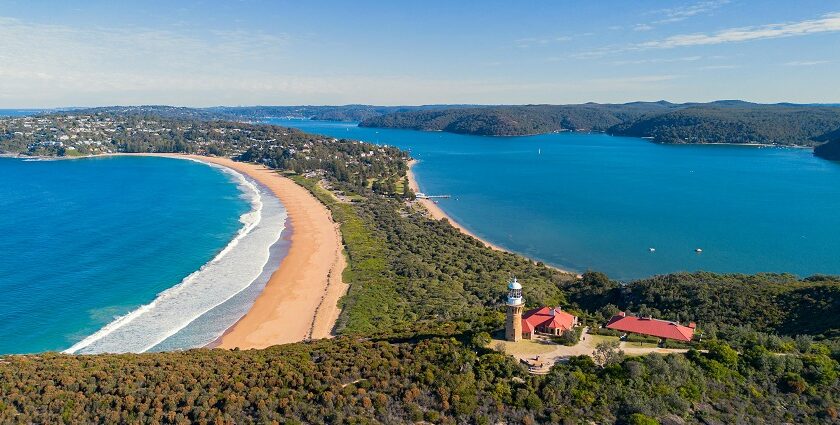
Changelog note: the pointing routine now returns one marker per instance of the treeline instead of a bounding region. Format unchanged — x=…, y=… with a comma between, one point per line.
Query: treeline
x=716, y=122
x=182, y=130
x=328, y=113
x=771, y=303
x=517, y=120
x=830, y=150
x=434, y=380
x=737, y=123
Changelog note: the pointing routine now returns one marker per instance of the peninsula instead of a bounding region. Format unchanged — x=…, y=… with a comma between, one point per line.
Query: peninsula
x=424, y=304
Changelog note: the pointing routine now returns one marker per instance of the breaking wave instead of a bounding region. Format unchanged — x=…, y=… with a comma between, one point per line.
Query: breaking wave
x=234, y=269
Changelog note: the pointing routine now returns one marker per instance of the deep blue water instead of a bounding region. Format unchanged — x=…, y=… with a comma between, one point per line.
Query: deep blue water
x=84, y=241
x=593, y=201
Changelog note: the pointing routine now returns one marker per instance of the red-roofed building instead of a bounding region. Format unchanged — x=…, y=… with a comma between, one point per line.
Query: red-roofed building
x=652, y=327
x=547, y=320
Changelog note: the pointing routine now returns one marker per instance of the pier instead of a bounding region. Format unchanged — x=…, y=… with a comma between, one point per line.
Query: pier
x=424, y=196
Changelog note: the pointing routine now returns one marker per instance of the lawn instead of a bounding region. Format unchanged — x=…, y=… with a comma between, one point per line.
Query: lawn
x=600, y=338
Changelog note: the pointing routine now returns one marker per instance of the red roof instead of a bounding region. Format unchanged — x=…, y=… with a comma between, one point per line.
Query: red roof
x=552, y=318
x=652, y=327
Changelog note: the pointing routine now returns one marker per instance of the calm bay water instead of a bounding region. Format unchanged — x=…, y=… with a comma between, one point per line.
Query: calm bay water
x=85, y=241
x=593, y=201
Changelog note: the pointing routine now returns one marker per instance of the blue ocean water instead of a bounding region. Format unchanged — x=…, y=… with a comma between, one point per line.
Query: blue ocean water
x=84, y=241
x=593, y=201
x=19, y=112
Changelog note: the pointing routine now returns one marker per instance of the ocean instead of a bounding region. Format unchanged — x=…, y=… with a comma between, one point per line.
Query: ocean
x=119, y=254
x=626, y=206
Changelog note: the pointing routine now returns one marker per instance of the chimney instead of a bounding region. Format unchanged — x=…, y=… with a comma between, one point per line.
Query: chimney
x=622, y=314
x=692, y=325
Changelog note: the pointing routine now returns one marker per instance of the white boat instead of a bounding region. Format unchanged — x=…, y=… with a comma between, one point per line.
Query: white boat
x=698, y=250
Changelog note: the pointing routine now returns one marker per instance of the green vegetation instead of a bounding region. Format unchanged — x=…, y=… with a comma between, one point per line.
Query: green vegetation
x=737, y=123
x=405, y=267
x=516, y=120
x=663, y=122
x=830, y=150
x=777, y=303
x=415, y=325
x=328, y=113
x=438, y=379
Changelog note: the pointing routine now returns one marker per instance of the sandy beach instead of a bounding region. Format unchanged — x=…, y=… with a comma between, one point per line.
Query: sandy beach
x=300, y=300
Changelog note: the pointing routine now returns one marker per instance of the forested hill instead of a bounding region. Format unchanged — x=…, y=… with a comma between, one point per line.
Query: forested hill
x=328, y=113
x=830, y=150
x=663, y=122
x=519, y=120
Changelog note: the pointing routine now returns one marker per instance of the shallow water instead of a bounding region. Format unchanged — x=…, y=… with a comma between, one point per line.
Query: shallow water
x=89, y=241
x=593, y=201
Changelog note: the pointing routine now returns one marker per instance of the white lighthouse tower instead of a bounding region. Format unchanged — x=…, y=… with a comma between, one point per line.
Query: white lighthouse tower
x=513, y=322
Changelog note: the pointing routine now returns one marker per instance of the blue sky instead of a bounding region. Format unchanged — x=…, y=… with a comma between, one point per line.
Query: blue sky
x=203, y=53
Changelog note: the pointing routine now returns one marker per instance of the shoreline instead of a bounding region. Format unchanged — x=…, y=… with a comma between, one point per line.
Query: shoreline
x=436, y=213
x=307, y=281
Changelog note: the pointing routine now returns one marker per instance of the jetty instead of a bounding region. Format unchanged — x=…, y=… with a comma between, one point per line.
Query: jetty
x=421, y=195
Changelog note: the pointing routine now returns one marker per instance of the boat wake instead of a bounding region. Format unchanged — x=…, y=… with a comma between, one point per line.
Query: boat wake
x=230, y=272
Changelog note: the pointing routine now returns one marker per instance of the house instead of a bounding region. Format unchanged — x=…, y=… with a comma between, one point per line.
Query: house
x=651, y=327
x=547, y=320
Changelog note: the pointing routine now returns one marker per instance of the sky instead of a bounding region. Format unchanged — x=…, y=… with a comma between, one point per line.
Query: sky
x=250, y=52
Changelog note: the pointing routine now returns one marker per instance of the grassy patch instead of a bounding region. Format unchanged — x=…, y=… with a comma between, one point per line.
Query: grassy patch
x=372, y=301
x=596, y=339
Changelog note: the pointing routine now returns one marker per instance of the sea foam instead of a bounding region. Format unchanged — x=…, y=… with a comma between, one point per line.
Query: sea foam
x=230, y=272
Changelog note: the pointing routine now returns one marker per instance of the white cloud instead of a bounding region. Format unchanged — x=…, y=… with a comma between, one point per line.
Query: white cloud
x=658, y=60
x=827, y=23
x=714, y=67
x=682, y=13
x=807, y=63
x=642, y=27
x=540, y=41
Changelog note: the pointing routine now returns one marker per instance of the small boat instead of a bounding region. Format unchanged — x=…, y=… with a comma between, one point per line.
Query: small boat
x=698, y=250
x=652, y=249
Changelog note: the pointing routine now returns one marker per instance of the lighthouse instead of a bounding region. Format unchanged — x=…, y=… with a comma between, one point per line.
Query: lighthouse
x=513, y=322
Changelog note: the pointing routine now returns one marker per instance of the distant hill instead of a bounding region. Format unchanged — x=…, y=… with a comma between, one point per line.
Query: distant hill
x=519, y=120
x=329, y=113
x=736, y=123
x=255, y=113
x=725, y=121
x=830, y=150
x=728, y=121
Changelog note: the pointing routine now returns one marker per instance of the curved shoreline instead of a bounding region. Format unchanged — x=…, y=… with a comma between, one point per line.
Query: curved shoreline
x=437, y=213
x=300, y=300
x=215, y=283
x=292, y=306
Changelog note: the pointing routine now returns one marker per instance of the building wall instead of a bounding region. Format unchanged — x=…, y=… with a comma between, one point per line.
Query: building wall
x=513, y=323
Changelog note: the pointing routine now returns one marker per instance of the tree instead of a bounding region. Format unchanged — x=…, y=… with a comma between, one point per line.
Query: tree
x=607, y=353
x=640, y=419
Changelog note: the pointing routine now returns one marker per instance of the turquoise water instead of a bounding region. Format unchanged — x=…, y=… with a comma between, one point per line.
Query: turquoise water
x=85, y=241
x=593, y=201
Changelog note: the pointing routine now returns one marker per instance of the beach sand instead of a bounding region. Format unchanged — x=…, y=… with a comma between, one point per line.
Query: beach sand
x=437, y=213
x=300, y=300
